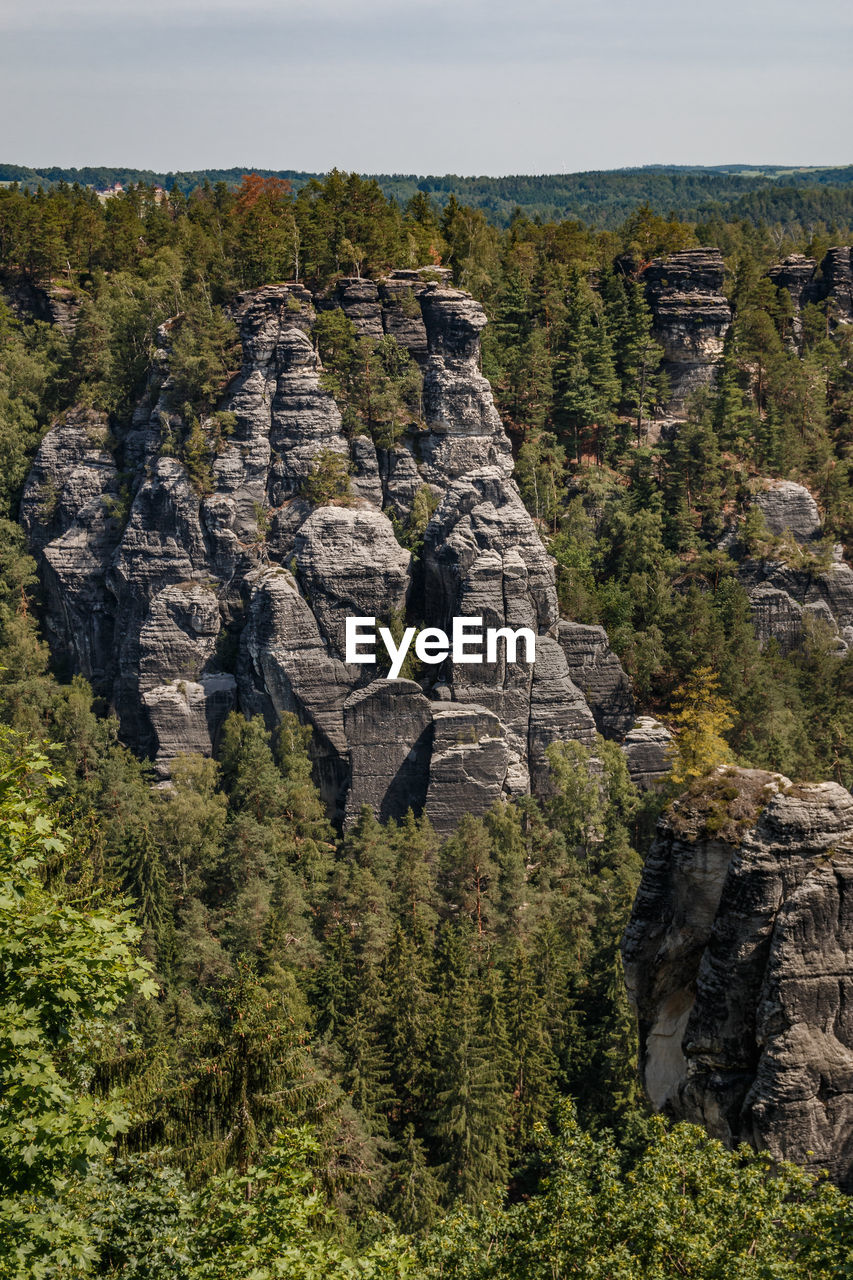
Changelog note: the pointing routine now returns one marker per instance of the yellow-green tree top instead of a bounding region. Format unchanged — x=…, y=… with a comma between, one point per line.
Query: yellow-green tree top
x=701, y=718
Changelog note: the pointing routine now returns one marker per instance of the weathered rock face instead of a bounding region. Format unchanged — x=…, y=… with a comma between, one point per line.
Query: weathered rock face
x=468, y=765
x=68, y=513
x=831, y=282
x=51, y=305
x=238, y=597
x=691, y=319
x=789, y=508
x=465, y=432
x=786, y=598
x=597, y=672
x=483, y=558
x=795, y=273
x=351, y=565
x=739, y=960
x=646, y=747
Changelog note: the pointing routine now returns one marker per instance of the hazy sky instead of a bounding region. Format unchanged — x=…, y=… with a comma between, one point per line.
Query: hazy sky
x=424, y=86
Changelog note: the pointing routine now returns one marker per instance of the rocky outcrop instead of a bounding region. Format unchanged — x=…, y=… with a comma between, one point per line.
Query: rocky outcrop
x=185, y=595
x=795, y=273
x=468, y=764
x=597, y=672
x=789, y=508
x=464, y=430
x=69, y=511
x=807, y=584
x=647, y=752
x=351, y=565
x=829, y=284
x=51, y=304
x=691, y=318
x=739, y=961
x=482, y=558
x=389, y=730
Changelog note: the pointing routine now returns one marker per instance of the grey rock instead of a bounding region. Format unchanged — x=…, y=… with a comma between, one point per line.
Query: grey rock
x=464, y=430
x=468, y=763
x=285, y=665
x=71, y=468
x=305, y=419
x=782, y=597
x=389, y=729
x=401, y=313
x=350, y=564
x=597, y=672
x=68, y=513
x=691, y=319
x=365, y=481
x=52, y=304
x=558, y=711
x=829, y=283
x=359, y=301
x=186, y=716
x=646, y=748
x=739, y=960
x=794, y=273
x=789, y=508
x=776, y=616
x=149, y=610
x=401, y=478
x=482, y=557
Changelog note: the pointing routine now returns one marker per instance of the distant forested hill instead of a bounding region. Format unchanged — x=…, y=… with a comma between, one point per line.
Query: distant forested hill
x=599, y=198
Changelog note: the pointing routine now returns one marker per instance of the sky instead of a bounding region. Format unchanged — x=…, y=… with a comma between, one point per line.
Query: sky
x=424, y=86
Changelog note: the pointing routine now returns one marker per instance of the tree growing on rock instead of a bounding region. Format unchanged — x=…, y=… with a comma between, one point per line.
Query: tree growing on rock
x=701, y=718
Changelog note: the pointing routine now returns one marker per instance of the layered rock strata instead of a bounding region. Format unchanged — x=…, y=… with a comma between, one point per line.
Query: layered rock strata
x=181, y=600
x=830, y=283
x=739, y=961
x=646, y=747
x=691, y=319
x=808, y=584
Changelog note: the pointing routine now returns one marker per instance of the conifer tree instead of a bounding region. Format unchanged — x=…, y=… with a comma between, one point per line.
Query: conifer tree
x=701, y=718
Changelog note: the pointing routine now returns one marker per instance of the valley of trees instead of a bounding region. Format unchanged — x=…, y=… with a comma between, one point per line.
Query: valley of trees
x=234, y=1042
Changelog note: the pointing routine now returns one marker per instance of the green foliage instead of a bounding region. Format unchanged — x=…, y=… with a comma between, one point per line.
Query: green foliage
x=329, y=478
x=377, y=384
x=33, y=365
x=388, y=1022
x=66, y=966
x=204, y=348
x=700, y=718
x=686, y=1206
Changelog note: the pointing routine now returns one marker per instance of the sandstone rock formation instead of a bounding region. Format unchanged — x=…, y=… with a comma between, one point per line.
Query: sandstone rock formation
x=789, y=592
x=646, y=748
x=691, y=319
x=739, y=961
x=181, y=600
x=597, y=672
x=831, y=283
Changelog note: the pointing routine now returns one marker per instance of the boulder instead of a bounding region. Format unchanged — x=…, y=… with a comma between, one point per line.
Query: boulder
x=350, y=564
x=789, y=508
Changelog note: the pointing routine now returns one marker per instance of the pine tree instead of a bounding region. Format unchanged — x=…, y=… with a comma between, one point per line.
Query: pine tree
x=469, y=1123
x=414, y=1189
x=532, y=1065
x=701, y=718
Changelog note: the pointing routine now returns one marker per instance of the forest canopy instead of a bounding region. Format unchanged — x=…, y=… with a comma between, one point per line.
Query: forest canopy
x=235, y=1040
